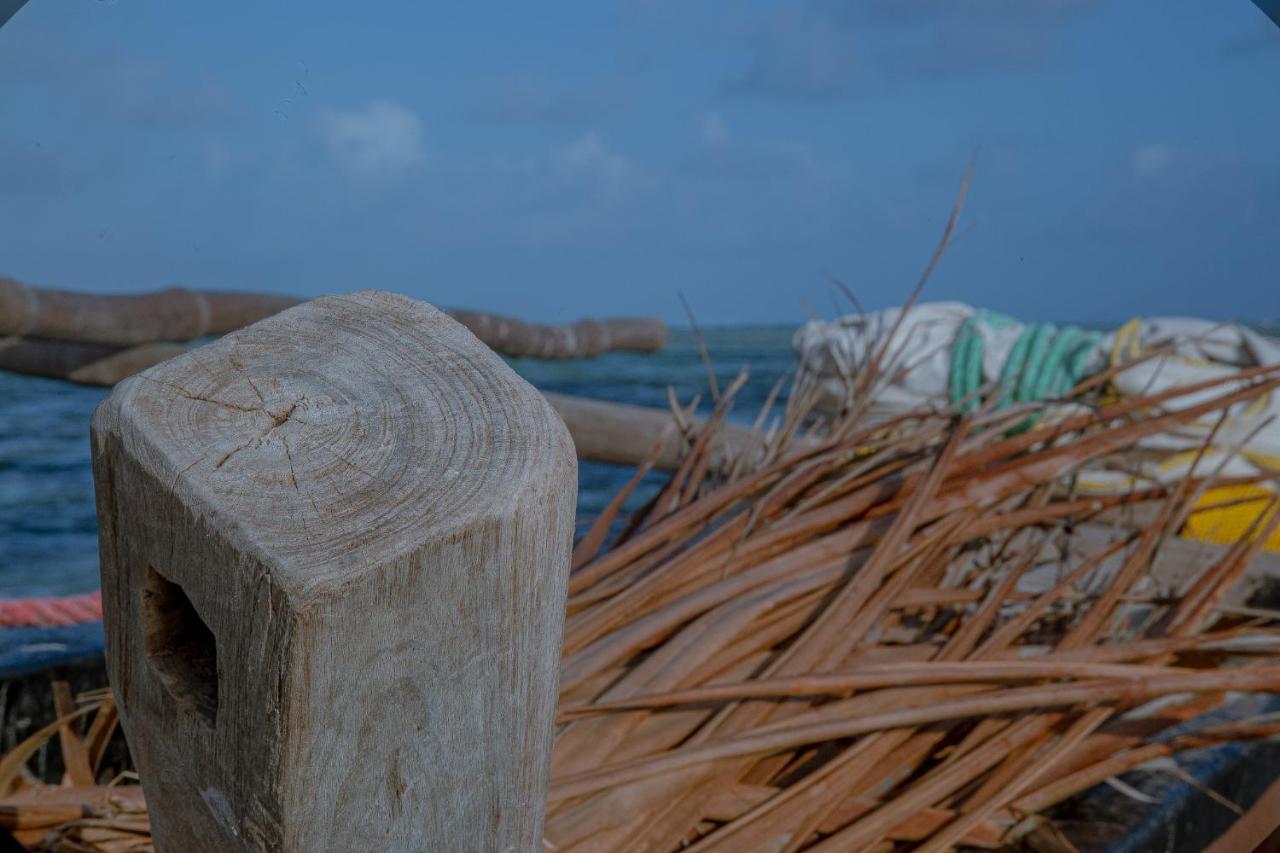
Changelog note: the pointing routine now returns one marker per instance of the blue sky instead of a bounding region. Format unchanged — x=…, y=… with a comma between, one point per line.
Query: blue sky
x=557, y=160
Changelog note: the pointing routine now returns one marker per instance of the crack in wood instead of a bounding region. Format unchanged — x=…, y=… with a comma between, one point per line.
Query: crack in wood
x=278, y=419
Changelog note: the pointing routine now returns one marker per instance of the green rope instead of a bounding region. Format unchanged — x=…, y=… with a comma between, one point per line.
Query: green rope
x=1045, y=361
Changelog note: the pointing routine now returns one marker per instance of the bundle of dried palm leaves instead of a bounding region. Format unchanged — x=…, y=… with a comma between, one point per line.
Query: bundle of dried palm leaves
x=910, y=633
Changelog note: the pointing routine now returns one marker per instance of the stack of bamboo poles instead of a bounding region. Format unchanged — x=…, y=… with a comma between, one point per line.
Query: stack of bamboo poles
x=890, y=637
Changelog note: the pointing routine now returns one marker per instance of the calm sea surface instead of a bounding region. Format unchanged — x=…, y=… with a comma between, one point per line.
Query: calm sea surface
x=48, y=530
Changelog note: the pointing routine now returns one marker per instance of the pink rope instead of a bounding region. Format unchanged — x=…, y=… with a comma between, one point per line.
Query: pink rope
x=48, y=612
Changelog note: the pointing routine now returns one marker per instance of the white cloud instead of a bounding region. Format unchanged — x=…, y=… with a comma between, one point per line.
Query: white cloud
x=1152, y=161
x=382, y=141
x=712, y=130
x=579, y=188
x=589, y=164
x=722, y=155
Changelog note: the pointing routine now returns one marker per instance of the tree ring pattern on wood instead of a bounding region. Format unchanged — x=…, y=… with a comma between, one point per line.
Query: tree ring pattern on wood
x=395, y=426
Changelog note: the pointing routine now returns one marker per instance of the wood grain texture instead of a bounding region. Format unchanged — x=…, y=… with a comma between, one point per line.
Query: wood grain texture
x=355, y=521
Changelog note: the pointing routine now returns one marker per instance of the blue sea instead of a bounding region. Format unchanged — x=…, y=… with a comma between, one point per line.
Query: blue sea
x=48, y=528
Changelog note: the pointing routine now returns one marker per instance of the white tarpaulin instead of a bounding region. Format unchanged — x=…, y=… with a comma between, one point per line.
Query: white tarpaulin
x=949, y=353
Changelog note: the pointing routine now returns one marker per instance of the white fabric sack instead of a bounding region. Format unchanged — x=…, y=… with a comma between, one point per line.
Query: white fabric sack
x=917, y=370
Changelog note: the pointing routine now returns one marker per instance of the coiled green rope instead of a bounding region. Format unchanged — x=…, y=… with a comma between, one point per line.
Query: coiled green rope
x=1046, y=361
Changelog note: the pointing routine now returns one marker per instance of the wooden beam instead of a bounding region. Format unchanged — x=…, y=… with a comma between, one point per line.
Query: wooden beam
x=335, y=547
x=625, y=435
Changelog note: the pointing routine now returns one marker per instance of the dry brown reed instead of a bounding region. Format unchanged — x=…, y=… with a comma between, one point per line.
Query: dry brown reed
x=893, y=638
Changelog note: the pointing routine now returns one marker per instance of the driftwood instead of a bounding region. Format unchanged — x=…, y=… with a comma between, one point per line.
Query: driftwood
x=85, y=363
x=180, y=314
x=583, y=339
x=335, y=547
x=176, y=314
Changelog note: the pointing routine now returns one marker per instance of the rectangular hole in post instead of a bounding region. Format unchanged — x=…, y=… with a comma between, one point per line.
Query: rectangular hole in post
x=180, y=646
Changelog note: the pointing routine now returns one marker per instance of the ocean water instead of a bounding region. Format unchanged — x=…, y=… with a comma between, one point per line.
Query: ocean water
x=48, y=526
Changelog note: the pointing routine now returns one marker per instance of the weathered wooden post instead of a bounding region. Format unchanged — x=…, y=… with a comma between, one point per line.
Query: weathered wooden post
x=334, y=553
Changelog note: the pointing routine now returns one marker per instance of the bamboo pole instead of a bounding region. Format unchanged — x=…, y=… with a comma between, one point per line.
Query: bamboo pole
x=335, y=547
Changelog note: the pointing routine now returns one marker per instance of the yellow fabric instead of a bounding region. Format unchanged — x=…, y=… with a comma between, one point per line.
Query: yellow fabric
x=1225, y=525
x=1183, y=457
x=1266, y=461
x=1128, y=343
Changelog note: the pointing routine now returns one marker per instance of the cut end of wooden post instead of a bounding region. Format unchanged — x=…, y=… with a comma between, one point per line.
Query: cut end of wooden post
x=340, y=434
x=334, y=549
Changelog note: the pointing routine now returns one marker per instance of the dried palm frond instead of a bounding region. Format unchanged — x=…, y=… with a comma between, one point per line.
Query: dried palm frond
x=807, y=654
x=79, y=814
